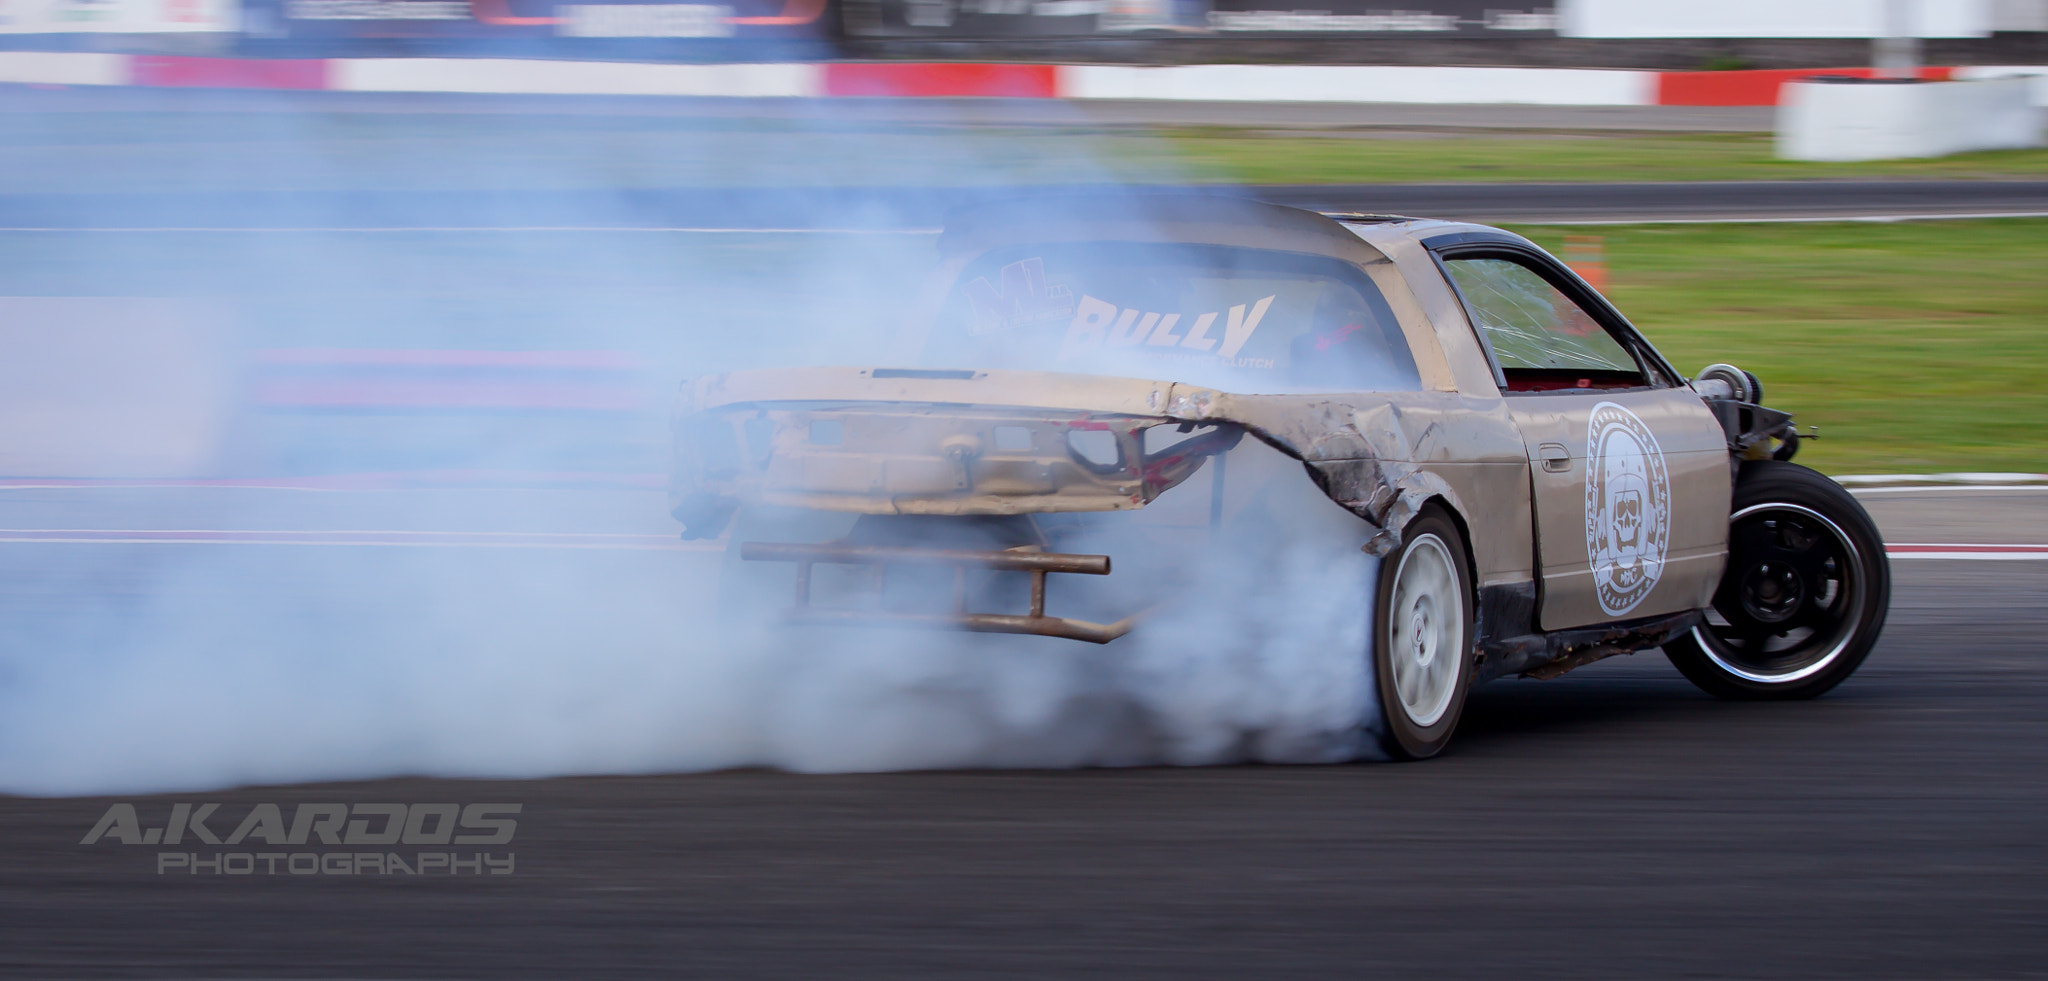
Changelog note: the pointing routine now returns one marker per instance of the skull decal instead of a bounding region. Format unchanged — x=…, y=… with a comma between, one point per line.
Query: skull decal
x=1628, y=508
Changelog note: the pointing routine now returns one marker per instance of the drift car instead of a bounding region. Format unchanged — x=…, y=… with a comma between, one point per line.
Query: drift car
x=1542, y=489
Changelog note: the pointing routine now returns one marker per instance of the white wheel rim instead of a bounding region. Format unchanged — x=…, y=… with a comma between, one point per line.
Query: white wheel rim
x=1427, y=630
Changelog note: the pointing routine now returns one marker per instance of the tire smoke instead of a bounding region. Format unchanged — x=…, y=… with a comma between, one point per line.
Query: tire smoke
x=232, y=666
x=129, y=667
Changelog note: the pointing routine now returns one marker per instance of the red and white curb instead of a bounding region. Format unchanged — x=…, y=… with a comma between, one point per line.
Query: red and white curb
x=1206, y=83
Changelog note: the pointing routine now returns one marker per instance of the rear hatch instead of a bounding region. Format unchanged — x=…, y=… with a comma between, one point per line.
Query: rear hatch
x=938, y=442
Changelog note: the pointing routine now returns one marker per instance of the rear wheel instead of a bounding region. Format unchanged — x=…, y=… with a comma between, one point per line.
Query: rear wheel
x=1422, y=637
x=1803, y=598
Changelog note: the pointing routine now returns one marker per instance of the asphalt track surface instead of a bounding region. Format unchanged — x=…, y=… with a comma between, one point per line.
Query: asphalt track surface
x=1611, y=823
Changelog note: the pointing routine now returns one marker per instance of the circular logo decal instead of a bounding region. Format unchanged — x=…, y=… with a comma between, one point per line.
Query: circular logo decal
x=1628, y=508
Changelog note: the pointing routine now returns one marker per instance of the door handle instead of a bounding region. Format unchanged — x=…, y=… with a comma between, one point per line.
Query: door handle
x=1556, y=457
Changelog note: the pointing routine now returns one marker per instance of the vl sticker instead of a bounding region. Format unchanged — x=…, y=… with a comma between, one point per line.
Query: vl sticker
x=1628, y=508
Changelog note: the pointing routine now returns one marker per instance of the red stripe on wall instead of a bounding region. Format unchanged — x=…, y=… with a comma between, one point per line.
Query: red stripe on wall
x=178, y=71
x=1000, y=81
x=1751, y=88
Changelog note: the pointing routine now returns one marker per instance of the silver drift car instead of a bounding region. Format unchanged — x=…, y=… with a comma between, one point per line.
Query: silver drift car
x=1152, y=382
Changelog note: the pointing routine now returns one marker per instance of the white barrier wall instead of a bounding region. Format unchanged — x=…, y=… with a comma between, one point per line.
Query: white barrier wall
x=2037, y=75
x=1769, y=18
x=63, y=68
x=119, y=16
x=574, y=77
x=1362, y=83
x=2019, y=15
x=1881, y=121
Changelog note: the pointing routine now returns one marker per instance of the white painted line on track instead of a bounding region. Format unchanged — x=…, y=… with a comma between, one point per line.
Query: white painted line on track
x=357, y=484
x=191, y=485
x=1914, y=550
x=642, y=542
x=1946, y=488
x=497, y=228
x=377, y=539
x=1782, y=219
x=1968, y=557
x=1959, y=477
x=709, y=230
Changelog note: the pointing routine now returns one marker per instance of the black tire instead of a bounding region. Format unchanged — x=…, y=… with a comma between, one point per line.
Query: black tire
x=1422, y=675
x=1805, y=594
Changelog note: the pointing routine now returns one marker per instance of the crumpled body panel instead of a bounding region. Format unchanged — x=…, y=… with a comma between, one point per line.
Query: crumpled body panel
x=881, y=441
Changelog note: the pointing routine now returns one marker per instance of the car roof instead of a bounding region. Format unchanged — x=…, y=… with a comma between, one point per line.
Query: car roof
x=1194, y=217
x=1165, y=217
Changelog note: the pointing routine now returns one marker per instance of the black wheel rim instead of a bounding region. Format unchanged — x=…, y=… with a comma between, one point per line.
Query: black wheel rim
x=1790, y=601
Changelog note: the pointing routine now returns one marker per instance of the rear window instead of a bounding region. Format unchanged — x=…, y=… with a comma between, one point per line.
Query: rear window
x=1239, y=320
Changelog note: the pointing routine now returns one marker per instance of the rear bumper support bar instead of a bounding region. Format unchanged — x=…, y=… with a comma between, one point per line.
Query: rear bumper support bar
x=1028, y=560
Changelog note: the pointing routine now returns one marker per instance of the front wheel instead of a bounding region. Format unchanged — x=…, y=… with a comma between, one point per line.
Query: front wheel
x=1804, y=595
x=1422, y=638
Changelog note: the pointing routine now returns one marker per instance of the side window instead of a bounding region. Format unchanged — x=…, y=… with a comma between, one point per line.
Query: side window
x=1541, y=338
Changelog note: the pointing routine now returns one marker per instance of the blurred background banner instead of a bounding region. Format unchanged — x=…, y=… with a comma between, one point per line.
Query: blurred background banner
x=118, y=16
x=1640, y=34
x=1794, y=18
x=532, y=20
x=570, y=27
x=1034, y=18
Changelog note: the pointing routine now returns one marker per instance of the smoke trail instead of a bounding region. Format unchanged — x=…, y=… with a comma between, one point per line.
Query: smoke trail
x=141, y=668
x=273, y=665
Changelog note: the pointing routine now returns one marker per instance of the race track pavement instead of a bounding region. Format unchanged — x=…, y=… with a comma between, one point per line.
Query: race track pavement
x=1610, y=823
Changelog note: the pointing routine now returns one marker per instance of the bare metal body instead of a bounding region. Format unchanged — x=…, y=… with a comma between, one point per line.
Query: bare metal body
x=906, y=439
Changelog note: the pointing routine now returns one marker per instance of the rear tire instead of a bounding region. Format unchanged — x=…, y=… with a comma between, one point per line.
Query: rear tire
x=1804, y=595
x=1422, y=637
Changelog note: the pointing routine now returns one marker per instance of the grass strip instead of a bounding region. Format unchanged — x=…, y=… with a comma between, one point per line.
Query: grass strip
x=1231, y=156
x=1915, y=347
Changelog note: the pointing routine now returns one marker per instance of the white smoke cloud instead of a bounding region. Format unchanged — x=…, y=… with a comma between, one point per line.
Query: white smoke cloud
x=260, y=665
x=159, y=668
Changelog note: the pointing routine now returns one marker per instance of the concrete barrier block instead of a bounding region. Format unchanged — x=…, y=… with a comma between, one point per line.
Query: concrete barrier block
x=1881, y=119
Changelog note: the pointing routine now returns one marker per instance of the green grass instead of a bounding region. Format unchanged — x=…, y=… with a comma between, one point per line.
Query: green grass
x=1226, y=155
x=88, y=153
x=1915, y=347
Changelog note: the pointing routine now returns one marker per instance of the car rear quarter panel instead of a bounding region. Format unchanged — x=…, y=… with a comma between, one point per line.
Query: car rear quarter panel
x=1476, y=450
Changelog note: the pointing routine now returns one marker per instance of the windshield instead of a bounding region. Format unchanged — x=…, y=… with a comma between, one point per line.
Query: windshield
x=1240, y=320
